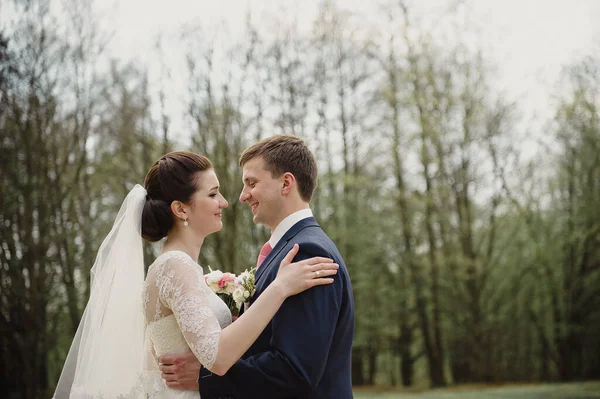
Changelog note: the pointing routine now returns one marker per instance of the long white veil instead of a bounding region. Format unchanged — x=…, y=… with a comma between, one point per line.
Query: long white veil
x=109, y=357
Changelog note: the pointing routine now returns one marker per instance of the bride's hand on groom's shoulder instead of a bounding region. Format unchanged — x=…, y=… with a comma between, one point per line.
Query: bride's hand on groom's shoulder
x=180, y=371
x=294, y=278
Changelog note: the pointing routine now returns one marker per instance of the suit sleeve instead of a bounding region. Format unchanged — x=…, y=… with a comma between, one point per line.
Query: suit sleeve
x=302, y=334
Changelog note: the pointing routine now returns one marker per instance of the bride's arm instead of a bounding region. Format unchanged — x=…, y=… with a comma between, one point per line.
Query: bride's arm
x=292, y=279
x=218, y=350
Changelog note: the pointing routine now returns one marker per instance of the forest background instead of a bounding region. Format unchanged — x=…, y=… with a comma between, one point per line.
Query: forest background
x=467, y=208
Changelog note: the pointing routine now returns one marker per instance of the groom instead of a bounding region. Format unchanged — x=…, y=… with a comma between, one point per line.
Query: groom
x=305, y=352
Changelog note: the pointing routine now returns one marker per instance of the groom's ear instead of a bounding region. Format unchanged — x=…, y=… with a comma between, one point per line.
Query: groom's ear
x=288, y=183
x=178, y=209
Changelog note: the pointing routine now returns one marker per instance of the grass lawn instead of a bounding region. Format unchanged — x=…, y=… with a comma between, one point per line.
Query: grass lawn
x=586, y=390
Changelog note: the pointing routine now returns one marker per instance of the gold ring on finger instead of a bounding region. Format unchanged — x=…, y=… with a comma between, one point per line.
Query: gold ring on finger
x=317, y=273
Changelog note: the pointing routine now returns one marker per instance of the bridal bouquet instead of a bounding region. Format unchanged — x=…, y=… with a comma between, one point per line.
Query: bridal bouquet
x=233, y=290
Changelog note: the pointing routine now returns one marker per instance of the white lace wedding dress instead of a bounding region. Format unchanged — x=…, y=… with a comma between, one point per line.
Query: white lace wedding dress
x=183, y=314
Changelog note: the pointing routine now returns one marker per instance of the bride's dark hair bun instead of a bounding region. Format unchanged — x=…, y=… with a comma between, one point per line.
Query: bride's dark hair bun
x=157, y=219
x=171, y=178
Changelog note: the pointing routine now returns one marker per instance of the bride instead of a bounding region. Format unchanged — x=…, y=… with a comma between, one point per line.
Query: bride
x=129, y=322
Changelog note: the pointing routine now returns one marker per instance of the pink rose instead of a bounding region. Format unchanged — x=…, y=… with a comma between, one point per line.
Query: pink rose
x=227, y=278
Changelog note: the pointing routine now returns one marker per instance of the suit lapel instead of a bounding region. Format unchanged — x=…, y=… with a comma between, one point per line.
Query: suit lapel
x=291, y=233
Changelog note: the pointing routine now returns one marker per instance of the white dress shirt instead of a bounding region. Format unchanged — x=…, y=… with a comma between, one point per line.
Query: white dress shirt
x=287, y=224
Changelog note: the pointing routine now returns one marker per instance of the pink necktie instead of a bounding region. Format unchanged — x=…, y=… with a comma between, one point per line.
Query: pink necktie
x=264, y=252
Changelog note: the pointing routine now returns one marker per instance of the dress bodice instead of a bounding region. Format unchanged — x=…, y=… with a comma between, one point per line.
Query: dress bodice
x=182, y=312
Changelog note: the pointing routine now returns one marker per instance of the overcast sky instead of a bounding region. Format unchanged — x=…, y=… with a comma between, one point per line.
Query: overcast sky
x=528, y=36
x=528, y=41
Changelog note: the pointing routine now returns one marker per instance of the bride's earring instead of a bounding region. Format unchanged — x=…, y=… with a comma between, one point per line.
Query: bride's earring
x=185, y=223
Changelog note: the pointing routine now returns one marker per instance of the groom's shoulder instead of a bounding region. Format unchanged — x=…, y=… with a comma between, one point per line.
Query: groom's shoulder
x=315, y=238
x=309, y=229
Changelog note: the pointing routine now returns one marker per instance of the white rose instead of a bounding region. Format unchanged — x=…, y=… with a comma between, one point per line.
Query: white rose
x=230, y=288
x=243, y=277
x=214, y=277
x=246, y=294
x=212, y=280
x=238, y=295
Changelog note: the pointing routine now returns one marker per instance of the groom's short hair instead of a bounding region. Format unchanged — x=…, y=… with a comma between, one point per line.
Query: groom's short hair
x=286, y=153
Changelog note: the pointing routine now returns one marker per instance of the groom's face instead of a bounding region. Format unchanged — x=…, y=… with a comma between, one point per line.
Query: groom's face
x=263, y=193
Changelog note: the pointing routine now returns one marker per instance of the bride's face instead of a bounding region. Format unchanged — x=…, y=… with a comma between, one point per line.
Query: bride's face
x=205, y=211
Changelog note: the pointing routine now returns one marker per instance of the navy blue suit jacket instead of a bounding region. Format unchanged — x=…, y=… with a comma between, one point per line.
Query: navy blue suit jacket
x=305, y=351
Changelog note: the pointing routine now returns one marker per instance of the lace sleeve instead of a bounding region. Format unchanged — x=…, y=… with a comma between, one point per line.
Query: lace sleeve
x=181, y=288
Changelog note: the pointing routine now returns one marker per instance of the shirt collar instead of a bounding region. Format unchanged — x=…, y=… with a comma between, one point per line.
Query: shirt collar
x=287, y=224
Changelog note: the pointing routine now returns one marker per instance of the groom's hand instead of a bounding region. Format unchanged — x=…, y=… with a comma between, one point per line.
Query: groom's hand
x=181, y=371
